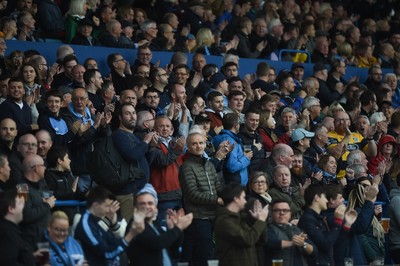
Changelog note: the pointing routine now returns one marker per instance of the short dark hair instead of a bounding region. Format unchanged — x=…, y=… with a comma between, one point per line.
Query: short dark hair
x=111, y=59
x=68, y=58
x=213, y=94
x=151, y=90
x=54, y=93
x=89, y=74
x=55, y=153
x=230, y=192
x=277, y=201
x=234, y=93
x=230, y=120
x=311, y=191
x=98, y=194
x=7, y=199
x=333, y=190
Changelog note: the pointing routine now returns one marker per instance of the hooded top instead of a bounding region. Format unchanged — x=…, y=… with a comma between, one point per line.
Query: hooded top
x=375, y=161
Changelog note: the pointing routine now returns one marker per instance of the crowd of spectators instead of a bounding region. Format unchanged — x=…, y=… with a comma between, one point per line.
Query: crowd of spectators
x=261, y=164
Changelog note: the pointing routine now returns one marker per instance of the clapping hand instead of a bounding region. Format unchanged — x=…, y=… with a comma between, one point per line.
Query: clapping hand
x=137, y=225
x=350, y=217
x=258, y=212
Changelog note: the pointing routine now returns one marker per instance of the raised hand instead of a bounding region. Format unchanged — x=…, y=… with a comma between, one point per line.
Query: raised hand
x=258, y=212
x=371, y=192
x=137, y=225
x=350, y=217
x=339, y=212
x=111, y=213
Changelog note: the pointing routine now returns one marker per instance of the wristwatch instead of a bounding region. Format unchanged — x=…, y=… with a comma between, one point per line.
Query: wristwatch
x=305, y=245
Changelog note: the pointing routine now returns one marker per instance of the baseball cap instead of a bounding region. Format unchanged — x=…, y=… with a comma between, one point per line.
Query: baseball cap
x=301, y=133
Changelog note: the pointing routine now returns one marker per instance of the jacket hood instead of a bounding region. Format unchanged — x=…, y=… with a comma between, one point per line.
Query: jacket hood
x=386, y=139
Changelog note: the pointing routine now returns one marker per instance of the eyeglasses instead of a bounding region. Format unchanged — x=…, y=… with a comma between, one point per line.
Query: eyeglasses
x=259, y=182
x=281, y=210
x=342, y=119
x=119, y=60
x=76, y=99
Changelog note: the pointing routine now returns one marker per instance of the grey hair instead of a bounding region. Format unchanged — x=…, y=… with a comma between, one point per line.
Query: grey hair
x=288, y=110
x=365, y=117
x=353, y=157
x=147, y=24
x=389, y=75
x=358, y=169
x=309, y=101
x=377, y=117
x=273, y=23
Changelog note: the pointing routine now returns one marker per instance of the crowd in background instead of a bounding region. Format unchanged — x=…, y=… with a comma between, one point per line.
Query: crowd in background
x=261, y=163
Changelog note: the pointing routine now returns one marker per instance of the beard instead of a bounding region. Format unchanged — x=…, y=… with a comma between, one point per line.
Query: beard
x=298, y=171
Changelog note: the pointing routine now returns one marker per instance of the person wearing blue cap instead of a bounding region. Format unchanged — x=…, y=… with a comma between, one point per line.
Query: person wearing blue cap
x=155, y=245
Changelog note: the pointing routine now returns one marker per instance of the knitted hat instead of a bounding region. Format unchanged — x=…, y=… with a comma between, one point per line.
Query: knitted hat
x=148, y=189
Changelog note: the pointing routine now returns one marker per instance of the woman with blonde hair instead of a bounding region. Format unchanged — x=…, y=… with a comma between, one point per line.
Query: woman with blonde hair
x=64, y=249
x=372, y=240
x=346, y=52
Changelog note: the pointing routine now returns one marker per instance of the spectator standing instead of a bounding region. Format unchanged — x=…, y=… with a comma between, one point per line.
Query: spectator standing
x=200, y=186
x=37, y=207
x=76, y=12
x=235, y=236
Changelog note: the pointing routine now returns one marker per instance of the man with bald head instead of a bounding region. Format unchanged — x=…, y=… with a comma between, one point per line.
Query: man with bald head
x=8, y=133
x=44, y=143
x=27, y=145
x=37, y=207
x=341, y=140
x=89, y=129
x=282, y=154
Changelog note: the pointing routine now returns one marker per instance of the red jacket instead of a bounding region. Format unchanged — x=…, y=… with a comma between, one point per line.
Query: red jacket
x=165, y=179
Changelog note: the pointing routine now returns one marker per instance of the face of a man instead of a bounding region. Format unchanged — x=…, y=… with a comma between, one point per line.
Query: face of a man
x=236, y=103
x=58, y=231
x=129, y=96
x=144, y=56
x=152, y=100
x=282, y=178
x=179, y=94
x=164, y=127
x=8, y=130
x=334, y=203
x=241, y=201
x=128, y=117
x=27, y=145
x=288, y=119
x=198, y=62
x=341, y=122
x=97, y=80
x=85, y=30
x=77, y=73
x=217, y=104
x=236, y=85
x=231, y=71
x=16, y=91
x=44, y=143
x=298, y=73
x=281, y=213
x=376, y=74
x=101, y=209
x=147, y=203
x=196, y=144
x=270, y=106
x=362, y=126
x=323, y=136
x=68, y=68
x=252, y=121
x=181, y=76
x=79, y=100
x=143, y=71
x=260, y=28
